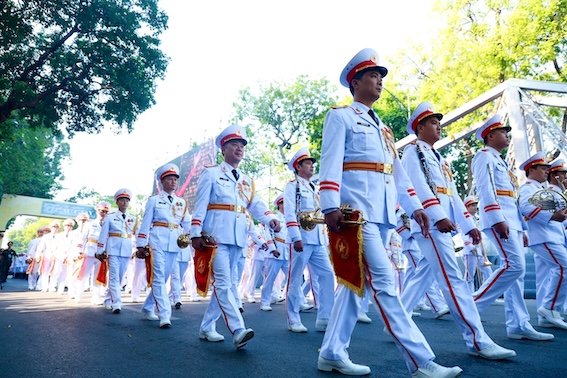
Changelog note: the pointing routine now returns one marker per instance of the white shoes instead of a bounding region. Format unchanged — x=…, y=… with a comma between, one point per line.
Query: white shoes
x=150, y=316
x=494, y=352
x=321, y=325
x=212, y=336
x=277, y=300
x=116, y=310
x=242, y=337
x=363, y=318
x=530, y=334
x=251, y=299
x=164, y=323
x=297, y=328
x=345, y=366
x=433, y=370
x=442, y=312
x=305, y=307
x=422, y=307
x=552, y=317
x=265, y=308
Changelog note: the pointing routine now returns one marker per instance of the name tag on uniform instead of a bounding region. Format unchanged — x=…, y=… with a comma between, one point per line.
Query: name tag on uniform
x=364, y=124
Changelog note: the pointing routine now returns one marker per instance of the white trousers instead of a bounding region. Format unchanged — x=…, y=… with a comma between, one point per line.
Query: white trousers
x=158, y=297
x=320, y=266
x=224, y=299
x=439, y=252
x=417, y=268
x=551, y=275
x=178, y=272
x=116, y=269
x=378, y=271
x=274, y=267
x=508, y=279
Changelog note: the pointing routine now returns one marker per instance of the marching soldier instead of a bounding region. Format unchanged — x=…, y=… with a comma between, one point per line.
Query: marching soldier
x=307, y=247
x=503, y=224
x=30, y=259
x=546, y=238
x=88, y=248
x=115, y=245
x=359, y=167
x=165, y=219
x=224, y=195
x=433, y=182
x=45, y=257
x=278, y=259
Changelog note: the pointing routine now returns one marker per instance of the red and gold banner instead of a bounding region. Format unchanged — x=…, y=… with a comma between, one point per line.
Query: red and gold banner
x=102, y=275
x=203, y=265
x=346, y=254
x=149, y=261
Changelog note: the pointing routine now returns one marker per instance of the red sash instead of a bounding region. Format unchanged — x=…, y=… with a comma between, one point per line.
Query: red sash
x=346, y=254
x=203, y=265
x=30, y=267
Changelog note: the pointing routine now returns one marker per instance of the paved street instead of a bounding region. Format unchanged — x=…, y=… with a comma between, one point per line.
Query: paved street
x=46, y=335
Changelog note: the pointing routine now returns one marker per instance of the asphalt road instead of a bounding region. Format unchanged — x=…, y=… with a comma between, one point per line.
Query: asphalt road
x=47, y=335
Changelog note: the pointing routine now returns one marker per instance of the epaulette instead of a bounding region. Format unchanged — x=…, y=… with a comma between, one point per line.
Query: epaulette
x=340, y=106
x=211, y=166
x=484, y=150
x=294, y=180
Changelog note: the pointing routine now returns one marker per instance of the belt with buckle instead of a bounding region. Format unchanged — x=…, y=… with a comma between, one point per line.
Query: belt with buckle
x=507, y=193
x=279, y=239
x=447, y=191
x=117, y=235
x=219, y=206
x=171, y=226
x=386, y=168
x=92, y=240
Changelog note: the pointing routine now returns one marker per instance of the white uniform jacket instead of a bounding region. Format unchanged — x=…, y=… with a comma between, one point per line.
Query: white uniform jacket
x=47, y=246
x=445, y=203
x=492, y=176
x=308, y=201
x=541, y=229
x=163, y=222
x=217, y=186
x=89, y=238
x=32, y=248
x=350, y=135
x=116, y=234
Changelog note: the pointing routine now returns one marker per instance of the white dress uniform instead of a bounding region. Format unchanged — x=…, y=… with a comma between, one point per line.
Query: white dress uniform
x=45, y=256
x=220, y=208
x=496, y=190
x=301, y=192
x=30, y=255
x=255, y=264
x=276, y=264
x=438, y=249
x=547, y=240
x=64, y=241
x=165, y=219
x=350, y=135
x=179, y=269
x=115, y=238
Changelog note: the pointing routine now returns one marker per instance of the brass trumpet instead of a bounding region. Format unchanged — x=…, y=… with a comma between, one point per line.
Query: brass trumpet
x=184, y=240
x=308, y=220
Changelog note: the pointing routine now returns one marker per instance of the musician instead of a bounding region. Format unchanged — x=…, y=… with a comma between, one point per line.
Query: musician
x=45, y=257
x=503, y=224
x=115, y=245
x=546, y=239
x=224, y=195
x=433, y=182
x=557, y=174
x=165, y=219
x=307, y=247
x=278, y=259
x=359, y=167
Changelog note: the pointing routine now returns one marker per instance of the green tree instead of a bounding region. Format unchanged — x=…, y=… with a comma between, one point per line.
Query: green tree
x=281, y=112
x=30, y=161
x=77, y=63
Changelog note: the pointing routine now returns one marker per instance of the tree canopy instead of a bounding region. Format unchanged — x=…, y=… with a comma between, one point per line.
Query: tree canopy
x=30, y=161
x=77, y=63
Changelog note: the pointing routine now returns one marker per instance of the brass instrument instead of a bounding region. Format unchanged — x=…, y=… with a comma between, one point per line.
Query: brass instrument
x=184, y=240
x=308, y=220
x=548, y=199
x=486, y=261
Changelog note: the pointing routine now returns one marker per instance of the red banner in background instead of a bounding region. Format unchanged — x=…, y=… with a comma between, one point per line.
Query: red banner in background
x=191, y=164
